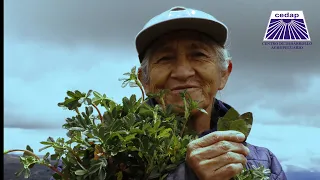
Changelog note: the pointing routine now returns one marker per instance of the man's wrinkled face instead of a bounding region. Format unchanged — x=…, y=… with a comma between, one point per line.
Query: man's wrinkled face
x=184, y=61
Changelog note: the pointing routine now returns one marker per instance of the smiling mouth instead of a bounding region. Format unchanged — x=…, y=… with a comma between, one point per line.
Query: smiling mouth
x=182, y=89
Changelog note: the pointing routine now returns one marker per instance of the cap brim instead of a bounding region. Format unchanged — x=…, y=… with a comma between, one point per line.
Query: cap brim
x=216, y=30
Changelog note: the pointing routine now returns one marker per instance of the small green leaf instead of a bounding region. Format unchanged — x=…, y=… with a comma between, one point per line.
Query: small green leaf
x=133, y=84
x=171, y=167
x=165, y=133
x=76, y=129
x=50, y=139
x=79, y=94
x=202, y=110
x=46, y=155
x=80, y=172
x=133, y=70
x=119, y=175
x=223, y=124
x=54, y=156
x=46, y=147
x=29, y=148
x=248, y=118
x=154, y=175
x=125, y=83
x=231, y=114
x=96, y=94
x=89, y=110
x=87, y=101
x=46, y=143
x=27, y=173
x=71, y=94
x=130, y=137
x=102, y=174
x=89, y=93
x=239, y=125
x=81, y=100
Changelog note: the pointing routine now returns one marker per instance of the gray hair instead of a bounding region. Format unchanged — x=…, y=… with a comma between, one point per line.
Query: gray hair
x=222, y=55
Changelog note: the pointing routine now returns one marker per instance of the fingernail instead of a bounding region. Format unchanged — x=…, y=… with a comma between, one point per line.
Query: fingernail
x=240, y=136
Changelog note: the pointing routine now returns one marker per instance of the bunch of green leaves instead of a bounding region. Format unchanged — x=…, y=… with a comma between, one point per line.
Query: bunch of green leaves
x=131, y=140
x=256, y=173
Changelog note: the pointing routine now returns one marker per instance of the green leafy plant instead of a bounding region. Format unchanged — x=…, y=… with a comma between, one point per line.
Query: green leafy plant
x=131, y=140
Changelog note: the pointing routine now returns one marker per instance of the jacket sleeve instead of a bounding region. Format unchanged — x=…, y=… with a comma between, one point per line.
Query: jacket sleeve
x=277, y=172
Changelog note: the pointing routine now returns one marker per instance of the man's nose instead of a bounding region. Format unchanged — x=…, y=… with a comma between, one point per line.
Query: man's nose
x=182, y=69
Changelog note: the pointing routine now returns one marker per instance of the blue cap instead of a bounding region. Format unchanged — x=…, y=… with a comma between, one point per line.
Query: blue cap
x=180, y=18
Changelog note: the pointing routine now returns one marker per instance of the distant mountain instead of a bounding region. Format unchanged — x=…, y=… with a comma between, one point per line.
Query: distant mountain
x=12, y=165
x=303, y=175
x=299, y=173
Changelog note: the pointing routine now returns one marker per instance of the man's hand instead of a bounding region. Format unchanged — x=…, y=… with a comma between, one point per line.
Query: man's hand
x=217, y=156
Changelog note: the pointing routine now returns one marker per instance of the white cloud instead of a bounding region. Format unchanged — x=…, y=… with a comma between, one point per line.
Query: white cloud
x=53, y=71
x=291, y=107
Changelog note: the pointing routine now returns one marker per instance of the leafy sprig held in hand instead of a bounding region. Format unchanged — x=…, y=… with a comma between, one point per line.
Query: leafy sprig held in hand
x=242, y=123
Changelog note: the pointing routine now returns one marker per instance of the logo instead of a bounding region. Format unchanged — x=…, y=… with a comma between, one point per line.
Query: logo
x=287, y=30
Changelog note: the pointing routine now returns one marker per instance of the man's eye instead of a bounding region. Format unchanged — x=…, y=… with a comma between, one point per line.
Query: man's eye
x=165, y=58
x=198, y=54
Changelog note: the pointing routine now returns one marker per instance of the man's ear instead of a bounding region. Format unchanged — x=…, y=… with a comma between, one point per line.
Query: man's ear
x=142, y=80
x=225, y=76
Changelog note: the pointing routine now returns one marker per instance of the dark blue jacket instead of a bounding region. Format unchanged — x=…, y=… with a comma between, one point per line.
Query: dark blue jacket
x=257, y=156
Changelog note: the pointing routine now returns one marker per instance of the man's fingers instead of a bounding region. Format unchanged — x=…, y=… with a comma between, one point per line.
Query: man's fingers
x=234, y=136
x=229, y=171
x=218, y=149
x=223, y=160
x=230, y=158
x=217, y=154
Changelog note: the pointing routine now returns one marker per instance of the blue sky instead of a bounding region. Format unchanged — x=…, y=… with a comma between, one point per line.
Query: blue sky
x=48, y=51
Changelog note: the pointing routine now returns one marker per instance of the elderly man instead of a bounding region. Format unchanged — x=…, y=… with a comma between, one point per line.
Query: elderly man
x=183, y=49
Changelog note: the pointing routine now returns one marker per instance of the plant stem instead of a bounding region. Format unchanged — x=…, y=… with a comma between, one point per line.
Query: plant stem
x=149, y=170
x=32, y=154
x=54, y=169
x=163, y=104
x=184, y=126
x=21, y=150
x=141, y=88
x=186, y=116
x=77, y=110
x=100, y=116
x=142, y=93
